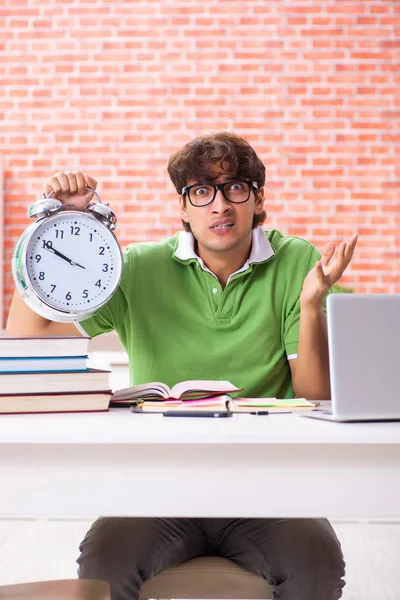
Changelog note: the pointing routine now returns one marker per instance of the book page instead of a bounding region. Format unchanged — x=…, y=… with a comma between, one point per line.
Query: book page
x=197, y=386
x=273, y=403
x=152, y=389
x=185, y=389
x=217, y=402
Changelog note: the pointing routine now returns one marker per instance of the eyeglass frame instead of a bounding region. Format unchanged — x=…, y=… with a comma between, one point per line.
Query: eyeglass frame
x=219, y=186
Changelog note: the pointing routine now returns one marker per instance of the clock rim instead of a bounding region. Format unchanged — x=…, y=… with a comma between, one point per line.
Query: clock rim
x=26, y=289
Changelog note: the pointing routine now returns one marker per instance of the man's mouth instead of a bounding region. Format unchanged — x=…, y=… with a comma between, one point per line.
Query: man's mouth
x=222, y=226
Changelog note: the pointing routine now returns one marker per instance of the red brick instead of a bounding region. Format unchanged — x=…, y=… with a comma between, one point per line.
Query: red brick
x=313, y=85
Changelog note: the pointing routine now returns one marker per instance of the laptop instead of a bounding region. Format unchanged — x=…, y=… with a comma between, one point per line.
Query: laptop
x=364, y=356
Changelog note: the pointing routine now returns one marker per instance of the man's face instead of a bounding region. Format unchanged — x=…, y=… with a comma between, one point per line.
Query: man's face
x=222, y=226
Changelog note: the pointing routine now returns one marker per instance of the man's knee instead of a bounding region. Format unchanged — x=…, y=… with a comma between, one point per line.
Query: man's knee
x=119, y=548
x=100, y=549
x=114, y=546
x=313, y=560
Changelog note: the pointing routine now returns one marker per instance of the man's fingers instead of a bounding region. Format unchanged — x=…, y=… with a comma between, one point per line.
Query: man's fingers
x=80, y=182
x=322, y=279
x=343, y=258
x=351, y=246
x=341, y=251
x=90, y=181
x=52, y=185
x=69, y=183
x=346, y=251
x=327, y=253
x=72, y=183
x=64, y=183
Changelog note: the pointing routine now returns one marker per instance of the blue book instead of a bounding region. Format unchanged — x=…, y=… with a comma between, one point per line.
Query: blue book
x=43, y=363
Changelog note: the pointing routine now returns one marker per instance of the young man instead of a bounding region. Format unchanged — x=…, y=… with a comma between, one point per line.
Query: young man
x=223, y=299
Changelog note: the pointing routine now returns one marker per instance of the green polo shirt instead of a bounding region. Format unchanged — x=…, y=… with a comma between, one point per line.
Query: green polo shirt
x=177, y=323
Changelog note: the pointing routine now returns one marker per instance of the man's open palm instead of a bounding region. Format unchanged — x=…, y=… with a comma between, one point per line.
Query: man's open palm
x=327, y=272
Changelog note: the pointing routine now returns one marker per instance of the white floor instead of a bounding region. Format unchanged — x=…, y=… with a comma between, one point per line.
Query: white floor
x=47, y=549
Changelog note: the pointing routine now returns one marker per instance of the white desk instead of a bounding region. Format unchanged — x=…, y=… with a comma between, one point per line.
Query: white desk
x=119, y=463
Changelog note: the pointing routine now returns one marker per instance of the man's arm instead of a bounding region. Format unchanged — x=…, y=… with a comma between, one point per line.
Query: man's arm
x=310, y=370
x=71, y=189
x=23, y=321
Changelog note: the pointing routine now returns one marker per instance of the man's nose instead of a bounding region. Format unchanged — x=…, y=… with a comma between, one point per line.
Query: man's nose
x=220, y=203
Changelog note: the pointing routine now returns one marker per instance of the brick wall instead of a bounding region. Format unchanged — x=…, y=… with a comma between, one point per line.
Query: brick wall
x=114, y=87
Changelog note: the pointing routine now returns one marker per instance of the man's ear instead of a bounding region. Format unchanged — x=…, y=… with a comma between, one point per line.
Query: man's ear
x=182, y=211
x=260, y=198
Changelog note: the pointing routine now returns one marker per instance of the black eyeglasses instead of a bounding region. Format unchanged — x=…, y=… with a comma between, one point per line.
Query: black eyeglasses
x=236, y=192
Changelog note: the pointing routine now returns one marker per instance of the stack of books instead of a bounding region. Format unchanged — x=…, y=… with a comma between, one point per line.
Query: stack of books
x=50, y=374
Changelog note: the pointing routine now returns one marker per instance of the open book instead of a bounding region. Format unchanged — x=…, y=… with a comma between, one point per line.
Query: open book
x=184, y=390
x=224, y=403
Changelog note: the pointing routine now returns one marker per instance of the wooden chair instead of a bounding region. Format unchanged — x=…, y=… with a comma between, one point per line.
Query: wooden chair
x=64, y=589
x=206, y=577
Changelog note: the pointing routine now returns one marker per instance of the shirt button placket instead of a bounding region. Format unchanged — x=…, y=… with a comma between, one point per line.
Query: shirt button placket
x=215, y=299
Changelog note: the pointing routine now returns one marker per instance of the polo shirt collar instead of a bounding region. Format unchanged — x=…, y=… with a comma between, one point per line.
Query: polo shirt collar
x=261, y=249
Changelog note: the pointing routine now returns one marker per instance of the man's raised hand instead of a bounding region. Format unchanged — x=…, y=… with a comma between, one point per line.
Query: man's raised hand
x=70, y=187
x=327, y=272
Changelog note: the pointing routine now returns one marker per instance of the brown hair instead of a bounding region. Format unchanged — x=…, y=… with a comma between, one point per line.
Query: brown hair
x=203, y=159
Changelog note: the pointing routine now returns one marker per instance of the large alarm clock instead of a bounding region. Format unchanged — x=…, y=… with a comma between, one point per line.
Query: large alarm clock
x=68, y=263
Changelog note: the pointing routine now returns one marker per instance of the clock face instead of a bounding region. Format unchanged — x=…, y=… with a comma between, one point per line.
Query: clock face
x=73, y=262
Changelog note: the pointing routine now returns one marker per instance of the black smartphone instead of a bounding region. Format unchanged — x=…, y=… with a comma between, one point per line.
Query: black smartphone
x=198, y=413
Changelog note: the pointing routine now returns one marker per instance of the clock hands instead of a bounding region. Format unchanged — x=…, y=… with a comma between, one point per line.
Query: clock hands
x=49, y=246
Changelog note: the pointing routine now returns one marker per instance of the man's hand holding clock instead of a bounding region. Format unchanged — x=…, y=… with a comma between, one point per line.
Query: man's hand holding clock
x=71, y=188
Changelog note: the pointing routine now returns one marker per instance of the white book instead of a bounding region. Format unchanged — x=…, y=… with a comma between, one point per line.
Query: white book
x=34, y=346
x=62, y=402
x=23, y=382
